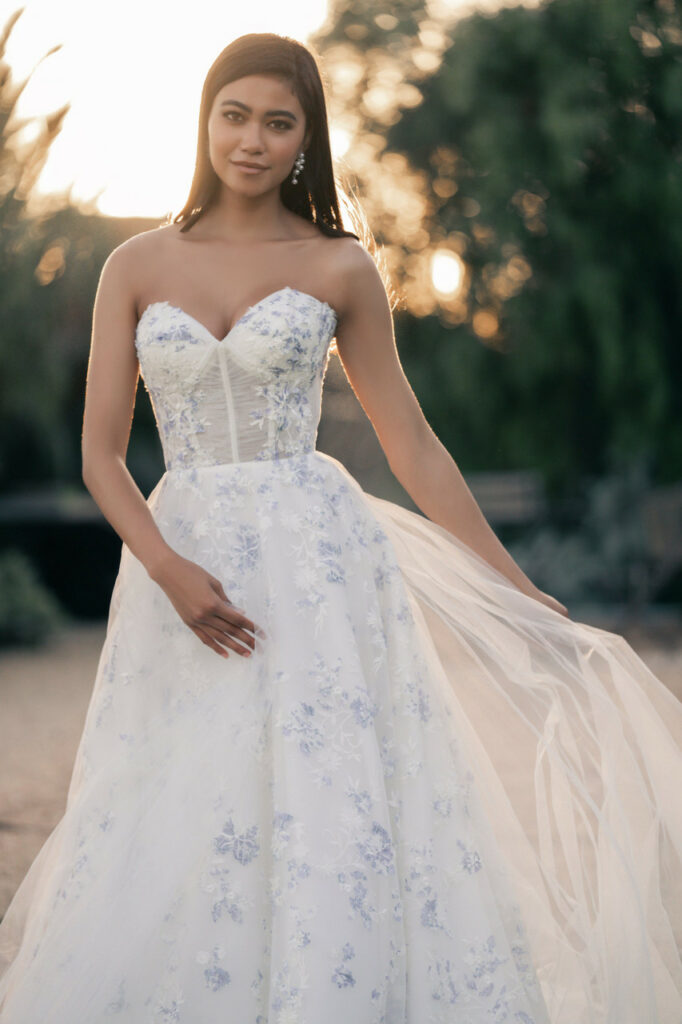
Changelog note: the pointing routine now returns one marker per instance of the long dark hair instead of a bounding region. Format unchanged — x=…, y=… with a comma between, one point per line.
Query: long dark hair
x=315, y=195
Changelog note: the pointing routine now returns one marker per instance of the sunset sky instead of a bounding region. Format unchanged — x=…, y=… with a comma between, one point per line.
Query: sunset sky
x=132, y=72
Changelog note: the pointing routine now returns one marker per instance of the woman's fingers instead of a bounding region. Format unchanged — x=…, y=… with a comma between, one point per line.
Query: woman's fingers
x=235, y=614
x=219, y=636
x=235, y=617
x=209, y=641
x=227, y=627
x=218, y=641
x=230, y=629
x=558, y=606
x=222, y=624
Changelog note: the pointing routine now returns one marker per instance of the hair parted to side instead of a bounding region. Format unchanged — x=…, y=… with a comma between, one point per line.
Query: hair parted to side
x=316, y=194
x=265, y=53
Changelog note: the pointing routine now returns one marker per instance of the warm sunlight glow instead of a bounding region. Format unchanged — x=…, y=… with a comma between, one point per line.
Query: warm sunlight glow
x=485, y=323
x=340, y=140
x=462, y=8
x=133, y=80
x=447, y=272
x=134, y=84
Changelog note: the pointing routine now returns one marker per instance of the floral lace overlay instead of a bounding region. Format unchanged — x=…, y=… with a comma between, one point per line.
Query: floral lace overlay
x=290, y=838
x=254, y=395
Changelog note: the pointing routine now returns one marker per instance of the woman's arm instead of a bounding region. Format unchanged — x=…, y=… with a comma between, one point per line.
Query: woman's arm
x=109, y=402
x=112, y=377
x=421, y=463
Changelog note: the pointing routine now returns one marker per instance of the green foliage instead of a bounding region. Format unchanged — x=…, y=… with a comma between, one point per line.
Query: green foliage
x=51, y=254
x=548, y=141
x=32, y=374
x=29, y=613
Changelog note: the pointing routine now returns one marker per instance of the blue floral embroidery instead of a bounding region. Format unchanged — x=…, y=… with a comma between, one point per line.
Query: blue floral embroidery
x=353, y=806
x=301, y=723
x=168, y=1013
x=362, y=800
x=246, y=549
x=244, y=846
x=284, y=410
x=215, y=975
x=364, y=709
x=429, y=914
x=471, y=859
x=359, y=897
x=343, y=977
x=377, y=849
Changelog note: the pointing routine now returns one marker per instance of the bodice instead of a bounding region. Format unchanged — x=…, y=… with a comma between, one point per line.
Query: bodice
x=255, y=394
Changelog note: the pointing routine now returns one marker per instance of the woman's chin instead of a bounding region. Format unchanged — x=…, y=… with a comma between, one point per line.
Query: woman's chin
x=254, y=184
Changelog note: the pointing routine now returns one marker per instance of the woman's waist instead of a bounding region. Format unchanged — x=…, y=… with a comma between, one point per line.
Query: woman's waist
x=187, y=497
x=215, y=445
x=219, y=463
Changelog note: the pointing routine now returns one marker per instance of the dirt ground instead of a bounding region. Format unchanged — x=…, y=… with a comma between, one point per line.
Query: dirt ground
x=44, y=696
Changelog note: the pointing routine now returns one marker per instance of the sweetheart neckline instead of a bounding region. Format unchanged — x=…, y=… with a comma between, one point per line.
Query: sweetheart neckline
x=238, y=321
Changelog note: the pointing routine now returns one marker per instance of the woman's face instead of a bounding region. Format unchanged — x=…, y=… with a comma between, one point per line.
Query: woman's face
x=256, y=129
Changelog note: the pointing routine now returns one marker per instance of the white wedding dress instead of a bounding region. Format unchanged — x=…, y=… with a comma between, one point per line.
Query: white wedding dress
x=426, y=798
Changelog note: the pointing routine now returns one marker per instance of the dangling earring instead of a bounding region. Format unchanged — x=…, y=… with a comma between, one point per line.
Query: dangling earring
x=298, y=167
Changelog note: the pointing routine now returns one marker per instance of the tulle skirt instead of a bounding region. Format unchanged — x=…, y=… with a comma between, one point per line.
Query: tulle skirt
x=429, y=797
x=576, y=748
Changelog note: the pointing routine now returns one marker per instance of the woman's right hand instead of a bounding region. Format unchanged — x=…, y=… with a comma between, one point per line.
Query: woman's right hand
x=202, y=604
x=551, y=602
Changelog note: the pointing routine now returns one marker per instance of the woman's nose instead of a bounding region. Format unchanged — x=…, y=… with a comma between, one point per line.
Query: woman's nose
x=252, y=136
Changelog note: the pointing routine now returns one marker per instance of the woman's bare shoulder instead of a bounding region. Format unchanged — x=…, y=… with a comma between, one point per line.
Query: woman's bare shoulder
x=127, y=266
x=351, y=253
x=134, y=251
x=354, y=266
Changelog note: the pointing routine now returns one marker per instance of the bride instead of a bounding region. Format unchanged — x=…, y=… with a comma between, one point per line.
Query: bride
x=420, y=792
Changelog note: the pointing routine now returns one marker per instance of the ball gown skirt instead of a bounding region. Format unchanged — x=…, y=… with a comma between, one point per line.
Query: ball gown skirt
x=426, y=798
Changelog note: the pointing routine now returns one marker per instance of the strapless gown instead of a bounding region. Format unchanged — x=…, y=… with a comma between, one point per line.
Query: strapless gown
x=425, y=799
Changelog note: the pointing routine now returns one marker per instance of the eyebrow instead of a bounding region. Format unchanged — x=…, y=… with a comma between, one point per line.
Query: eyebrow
x=268, y=113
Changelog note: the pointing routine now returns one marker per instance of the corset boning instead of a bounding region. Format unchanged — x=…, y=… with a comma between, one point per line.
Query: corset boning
x=229, y=413
x=254, y=396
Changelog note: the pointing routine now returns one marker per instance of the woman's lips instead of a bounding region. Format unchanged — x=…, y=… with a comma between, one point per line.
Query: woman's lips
x=249, y=168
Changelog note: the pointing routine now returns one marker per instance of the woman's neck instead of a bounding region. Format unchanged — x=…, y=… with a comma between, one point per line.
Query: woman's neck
x=245, y=219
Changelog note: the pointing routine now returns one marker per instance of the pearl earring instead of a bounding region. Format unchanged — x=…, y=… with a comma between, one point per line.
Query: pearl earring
x=298, y=167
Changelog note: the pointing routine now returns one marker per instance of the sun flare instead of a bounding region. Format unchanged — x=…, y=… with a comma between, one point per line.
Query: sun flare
x=128, y=140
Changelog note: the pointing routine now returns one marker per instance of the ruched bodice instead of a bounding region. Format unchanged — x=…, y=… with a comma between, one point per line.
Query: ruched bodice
x=253, y=395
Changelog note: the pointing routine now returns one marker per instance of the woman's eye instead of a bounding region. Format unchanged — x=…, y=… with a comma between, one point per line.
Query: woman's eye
x=236, y=117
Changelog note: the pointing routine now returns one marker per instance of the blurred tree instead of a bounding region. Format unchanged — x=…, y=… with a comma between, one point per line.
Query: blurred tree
x=540, y=148
x=51, y=255
x=31, y=376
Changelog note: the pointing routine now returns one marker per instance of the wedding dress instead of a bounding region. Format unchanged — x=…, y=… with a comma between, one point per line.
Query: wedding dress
x=426, y=798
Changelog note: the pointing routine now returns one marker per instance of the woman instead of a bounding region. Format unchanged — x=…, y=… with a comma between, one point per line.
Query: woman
x=420, y=792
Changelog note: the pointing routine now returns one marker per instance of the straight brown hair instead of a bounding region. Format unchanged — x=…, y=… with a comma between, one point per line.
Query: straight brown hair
x=315, y=195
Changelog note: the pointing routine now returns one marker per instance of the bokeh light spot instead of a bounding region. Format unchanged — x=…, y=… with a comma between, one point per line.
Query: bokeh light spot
x=447, y=272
